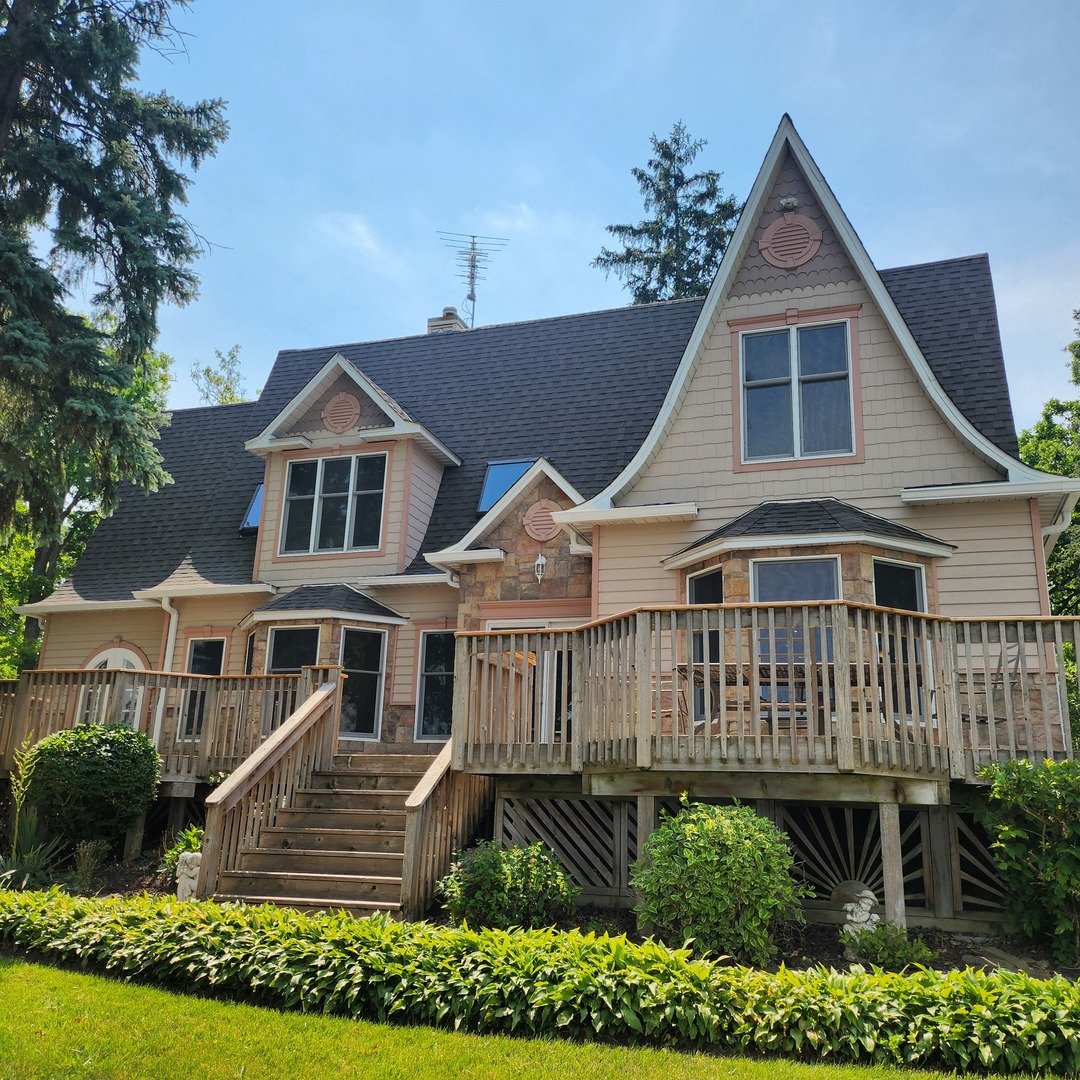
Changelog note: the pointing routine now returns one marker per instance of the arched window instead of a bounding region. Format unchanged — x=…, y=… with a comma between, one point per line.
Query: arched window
x=127, y=710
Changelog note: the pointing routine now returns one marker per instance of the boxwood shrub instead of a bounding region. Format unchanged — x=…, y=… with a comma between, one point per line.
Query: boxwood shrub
x=92, y=782
x=547, y=982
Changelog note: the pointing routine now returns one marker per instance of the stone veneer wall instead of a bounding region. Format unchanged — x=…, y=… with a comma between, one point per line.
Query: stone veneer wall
x=566, y=577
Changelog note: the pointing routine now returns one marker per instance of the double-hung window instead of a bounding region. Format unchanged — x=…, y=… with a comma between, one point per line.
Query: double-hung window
x=796, y=393
x=334, y=504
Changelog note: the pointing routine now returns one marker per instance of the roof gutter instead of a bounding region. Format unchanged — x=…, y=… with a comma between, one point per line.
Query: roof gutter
x=166, y=662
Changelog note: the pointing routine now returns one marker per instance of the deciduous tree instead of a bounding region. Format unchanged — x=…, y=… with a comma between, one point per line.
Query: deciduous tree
x=674, y=252
x=223, y=383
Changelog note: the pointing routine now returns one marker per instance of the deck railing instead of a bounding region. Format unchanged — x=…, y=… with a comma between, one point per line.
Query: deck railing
x=812, y=687
x=249, y=800
x=201, y=724
x=441, y=815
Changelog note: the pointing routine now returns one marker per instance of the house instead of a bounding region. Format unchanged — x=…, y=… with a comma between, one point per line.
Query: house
x=775, y=544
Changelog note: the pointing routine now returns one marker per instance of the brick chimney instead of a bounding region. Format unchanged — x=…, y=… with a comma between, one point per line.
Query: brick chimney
x=446, y=323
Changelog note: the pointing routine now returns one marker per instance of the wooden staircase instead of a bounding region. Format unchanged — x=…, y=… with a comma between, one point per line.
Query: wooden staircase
x=339, y=845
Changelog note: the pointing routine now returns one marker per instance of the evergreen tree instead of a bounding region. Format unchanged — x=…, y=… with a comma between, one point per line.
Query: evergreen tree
x=92, y=166
x=675, y=252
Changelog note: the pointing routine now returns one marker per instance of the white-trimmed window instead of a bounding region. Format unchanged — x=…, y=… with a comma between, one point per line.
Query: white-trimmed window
x=333, y=504
x=206, y=656
x=435, y=691
x=792, y=581
x=796, y=393
x=99, y=705
x=363, y=661
x=900, y=585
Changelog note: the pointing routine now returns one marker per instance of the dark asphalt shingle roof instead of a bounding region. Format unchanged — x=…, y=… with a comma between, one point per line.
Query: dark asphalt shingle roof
x=579, y=390
x=328, y=598
x=189, y=530
x=810, y=517
x=950, y=309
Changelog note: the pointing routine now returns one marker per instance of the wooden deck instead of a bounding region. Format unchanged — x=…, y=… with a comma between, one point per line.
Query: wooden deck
x=825, y=688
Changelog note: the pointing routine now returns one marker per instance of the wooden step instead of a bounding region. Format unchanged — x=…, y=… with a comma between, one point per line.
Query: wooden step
x=338, y=799
x=358, y=908
x=276, y=837
x=357, y=780
x=331, y=818
x=387, y=764
x=324, y=887
x=304, y=861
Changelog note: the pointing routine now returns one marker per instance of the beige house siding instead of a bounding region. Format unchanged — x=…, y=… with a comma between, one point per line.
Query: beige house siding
x=215, y=617
x=72, y=637
x=428, y=607
x=289, y=571
x=423, y=487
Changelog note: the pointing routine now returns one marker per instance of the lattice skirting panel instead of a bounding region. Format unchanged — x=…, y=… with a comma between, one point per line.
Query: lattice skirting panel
x=948, y=870
x=596, y=839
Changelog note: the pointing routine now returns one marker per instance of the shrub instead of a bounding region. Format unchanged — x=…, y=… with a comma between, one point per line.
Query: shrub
x=188, y=839
x=92, y=782
x=1033, y=814
x=502, y=887
x=887, y=946
x=33, y=859
x=550, y=983
x=89, y=855
x=719, y=875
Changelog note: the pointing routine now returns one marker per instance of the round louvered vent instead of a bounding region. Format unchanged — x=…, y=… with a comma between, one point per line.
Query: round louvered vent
x=341, y=413
x=790, y=241
x=538, y=523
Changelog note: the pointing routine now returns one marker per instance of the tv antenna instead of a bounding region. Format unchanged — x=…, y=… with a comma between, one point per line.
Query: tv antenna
x=472, y=253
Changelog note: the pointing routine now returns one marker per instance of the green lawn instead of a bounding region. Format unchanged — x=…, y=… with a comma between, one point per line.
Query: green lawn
x=59, y=1024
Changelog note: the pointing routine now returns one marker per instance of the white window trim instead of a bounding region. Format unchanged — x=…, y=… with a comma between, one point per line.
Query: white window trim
x=270, y=643
x=702, y=573
x=317, y=509
x=793, y=559
x=907, y=566
x=111, y=659
x=795, y=380
x=213, y=637
x=421, y=652
x=376, y=736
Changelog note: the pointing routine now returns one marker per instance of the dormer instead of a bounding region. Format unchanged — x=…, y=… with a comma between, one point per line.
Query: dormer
x=350, y=475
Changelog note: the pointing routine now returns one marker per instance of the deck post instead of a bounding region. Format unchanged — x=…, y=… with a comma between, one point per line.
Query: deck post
x=461, y=727
x=943, y=858
x=892, y=862
x=19, y=722
x=642, y=654
x=845, y=732
x=949, y=697
x=579, y=696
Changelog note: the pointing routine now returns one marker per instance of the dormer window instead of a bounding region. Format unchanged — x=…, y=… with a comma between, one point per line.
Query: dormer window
x=334, y=504
x=500, y=478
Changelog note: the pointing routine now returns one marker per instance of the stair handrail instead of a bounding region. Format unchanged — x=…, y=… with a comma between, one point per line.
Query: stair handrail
x=248, y=800
x=441, y=814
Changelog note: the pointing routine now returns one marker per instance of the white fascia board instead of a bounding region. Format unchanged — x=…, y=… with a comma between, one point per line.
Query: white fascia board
x=787, y=137
x=43, y=607
x=743, y=543
x=403, y=425
x=164, y=591
x=992, y=492
x=325, y=613
x=626, y=515
x=390, y=581
x=540, y=467
x=448, y=557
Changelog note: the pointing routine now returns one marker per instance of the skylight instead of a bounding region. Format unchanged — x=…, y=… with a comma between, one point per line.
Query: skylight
x=501, y=477
x=254, y=510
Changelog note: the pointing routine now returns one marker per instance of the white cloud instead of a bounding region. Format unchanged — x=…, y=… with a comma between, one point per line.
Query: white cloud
x=352, y=234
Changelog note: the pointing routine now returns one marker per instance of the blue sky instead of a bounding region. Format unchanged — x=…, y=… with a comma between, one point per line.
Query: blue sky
x=359, y=130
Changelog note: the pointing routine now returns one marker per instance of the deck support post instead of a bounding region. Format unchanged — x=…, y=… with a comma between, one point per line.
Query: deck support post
x=892, y=862
x=133, y=838
x=944, y=862
x=642, y=654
